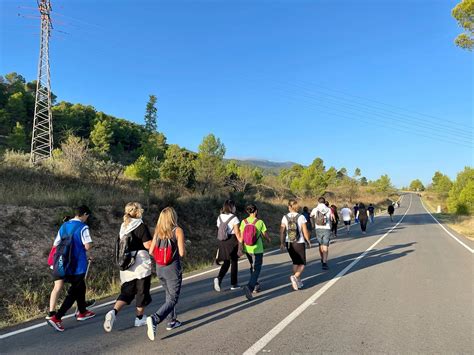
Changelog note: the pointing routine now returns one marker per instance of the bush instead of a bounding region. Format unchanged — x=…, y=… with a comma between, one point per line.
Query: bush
x=14, y=159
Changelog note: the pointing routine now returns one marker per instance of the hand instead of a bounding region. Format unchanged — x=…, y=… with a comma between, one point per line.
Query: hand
x=282, y=246
x=308, y=244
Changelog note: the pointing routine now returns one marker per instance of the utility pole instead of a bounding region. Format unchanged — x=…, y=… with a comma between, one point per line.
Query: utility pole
x=42, y=137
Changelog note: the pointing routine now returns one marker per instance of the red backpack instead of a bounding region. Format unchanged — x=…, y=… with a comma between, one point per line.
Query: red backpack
x=250, y=232
x=164, y=251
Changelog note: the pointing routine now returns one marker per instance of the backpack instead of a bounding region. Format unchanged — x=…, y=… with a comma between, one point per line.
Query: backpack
x=63, y=259
x=292, y=229
x=124, y=258
x=222, y=230
x=164, y=251
x=250, y=232
x=320, y=219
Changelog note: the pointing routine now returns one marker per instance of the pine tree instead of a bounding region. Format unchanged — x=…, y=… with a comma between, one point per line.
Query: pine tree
x=151, y=114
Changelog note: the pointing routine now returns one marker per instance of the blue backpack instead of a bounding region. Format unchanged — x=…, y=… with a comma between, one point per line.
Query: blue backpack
x=63, y=259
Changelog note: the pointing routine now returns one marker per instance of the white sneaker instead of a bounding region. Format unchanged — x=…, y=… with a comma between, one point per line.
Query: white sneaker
x=300, y=284
x=140, y=322
x=294, y=282
x=109, y=321
x=217, y=287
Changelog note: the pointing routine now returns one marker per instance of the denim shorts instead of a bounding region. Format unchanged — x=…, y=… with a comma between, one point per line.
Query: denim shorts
x=323, y=236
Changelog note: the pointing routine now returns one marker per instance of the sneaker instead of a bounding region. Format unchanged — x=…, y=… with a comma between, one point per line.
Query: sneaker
x=217, y=285
x=235, y=287
x=151, y=325
x=86, y=315
x=174, y=324
x=109, y=321
x=325, y=266
x=257, y=288
x=50, y=315
x=300, y=284
x=89, y=303
x=56, y=323
x=294, y=282
x=248, y=293
x=140, y=322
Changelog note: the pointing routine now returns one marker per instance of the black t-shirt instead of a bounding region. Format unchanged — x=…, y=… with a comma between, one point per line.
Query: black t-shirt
x=371, y=209
x=140, y=235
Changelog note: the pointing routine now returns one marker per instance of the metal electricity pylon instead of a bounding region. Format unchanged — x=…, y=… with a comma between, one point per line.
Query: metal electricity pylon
x=42, y=137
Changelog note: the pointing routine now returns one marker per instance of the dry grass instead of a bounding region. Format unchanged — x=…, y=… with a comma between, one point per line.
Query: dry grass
x=464, y=225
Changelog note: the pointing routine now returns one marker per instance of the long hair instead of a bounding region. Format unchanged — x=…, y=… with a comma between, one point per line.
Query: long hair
x=228, y=207
x=132, y=210
x=167, y=221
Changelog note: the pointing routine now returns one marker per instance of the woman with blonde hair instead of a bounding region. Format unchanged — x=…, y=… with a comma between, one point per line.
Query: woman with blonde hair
x=168, y=247
x=294, y=236
x=136, y=280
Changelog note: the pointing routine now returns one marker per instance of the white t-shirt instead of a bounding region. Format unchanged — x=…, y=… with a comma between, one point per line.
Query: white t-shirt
x=346, y=214
x=85, y=235
x=301, y=221
x=327, y=213
x=230, y=226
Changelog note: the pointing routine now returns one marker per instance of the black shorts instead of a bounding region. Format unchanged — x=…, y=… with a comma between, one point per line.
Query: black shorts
x=347, y=223
x=138, y=289
x=297, y=253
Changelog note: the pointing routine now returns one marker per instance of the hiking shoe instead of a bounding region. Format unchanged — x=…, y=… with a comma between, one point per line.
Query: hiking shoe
x=109, y=321
x=174, y=324
x=294, y=282
x=151, y=325
x=56, y=323
x=86, y=315
x=140, y=322
x=248, y=293
x=235, y=287
x=217, y=285
x=325, y=266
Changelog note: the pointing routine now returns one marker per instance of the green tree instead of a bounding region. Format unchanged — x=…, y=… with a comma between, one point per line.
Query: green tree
x=151, y=113
x=461, y=195
x=441, y=184
x=363, y=181
x=417, y=185
x=312, y=182
x=383, y=184
x=210, y=170
x=464, y=15
x=16, y=110
x=16, y=140
x=147, y=170
x=178, y=167
x=101, y=136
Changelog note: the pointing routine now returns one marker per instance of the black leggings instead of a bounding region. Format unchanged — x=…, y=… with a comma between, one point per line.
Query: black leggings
x=76, y=293
x=363, y=224
x=334, y=227
x=232, y=263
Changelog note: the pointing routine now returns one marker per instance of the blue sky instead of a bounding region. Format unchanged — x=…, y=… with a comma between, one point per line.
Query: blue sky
x=377, y=85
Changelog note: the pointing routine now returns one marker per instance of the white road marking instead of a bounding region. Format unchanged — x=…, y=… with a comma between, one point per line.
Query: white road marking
x=42, y=324
x=449, y=233
x=262, y=342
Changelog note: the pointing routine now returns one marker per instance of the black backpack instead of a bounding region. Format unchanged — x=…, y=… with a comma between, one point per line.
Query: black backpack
x=124, y=257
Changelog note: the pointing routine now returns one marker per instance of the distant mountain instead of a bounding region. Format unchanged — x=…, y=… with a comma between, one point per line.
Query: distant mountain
x=268, y=166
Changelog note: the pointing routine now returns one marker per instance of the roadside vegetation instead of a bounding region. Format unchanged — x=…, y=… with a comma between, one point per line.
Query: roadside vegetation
x=454, y=198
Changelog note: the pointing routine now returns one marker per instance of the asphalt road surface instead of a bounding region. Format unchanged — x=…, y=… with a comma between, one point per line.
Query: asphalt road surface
x=404, y=287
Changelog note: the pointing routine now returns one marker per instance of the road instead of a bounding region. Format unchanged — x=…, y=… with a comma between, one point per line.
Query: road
x=404, y=287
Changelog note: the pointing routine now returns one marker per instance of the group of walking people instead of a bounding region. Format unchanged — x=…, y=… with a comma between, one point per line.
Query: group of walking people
x=236, y=238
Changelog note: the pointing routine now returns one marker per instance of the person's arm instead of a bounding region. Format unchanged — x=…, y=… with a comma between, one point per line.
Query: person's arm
x=152, y=245
x=86, y=238
x=266, y=237
x=306, y=235
x=181, y=242
x=236, y=230
x=282, y=236
x=146, y=237
x=88, y=246
x=357, y=214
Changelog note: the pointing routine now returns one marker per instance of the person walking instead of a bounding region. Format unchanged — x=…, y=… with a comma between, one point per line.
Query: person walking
x=294, y=236
x=253, y=230
x=136, y=280
x=168, y=247
x=72, y=242
x=371, y=210
x=346, y=217
x=334, y=220
x=321, y=218
x=390, y=211
x=228, y=235
x=355, y=208
x=363, y=217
